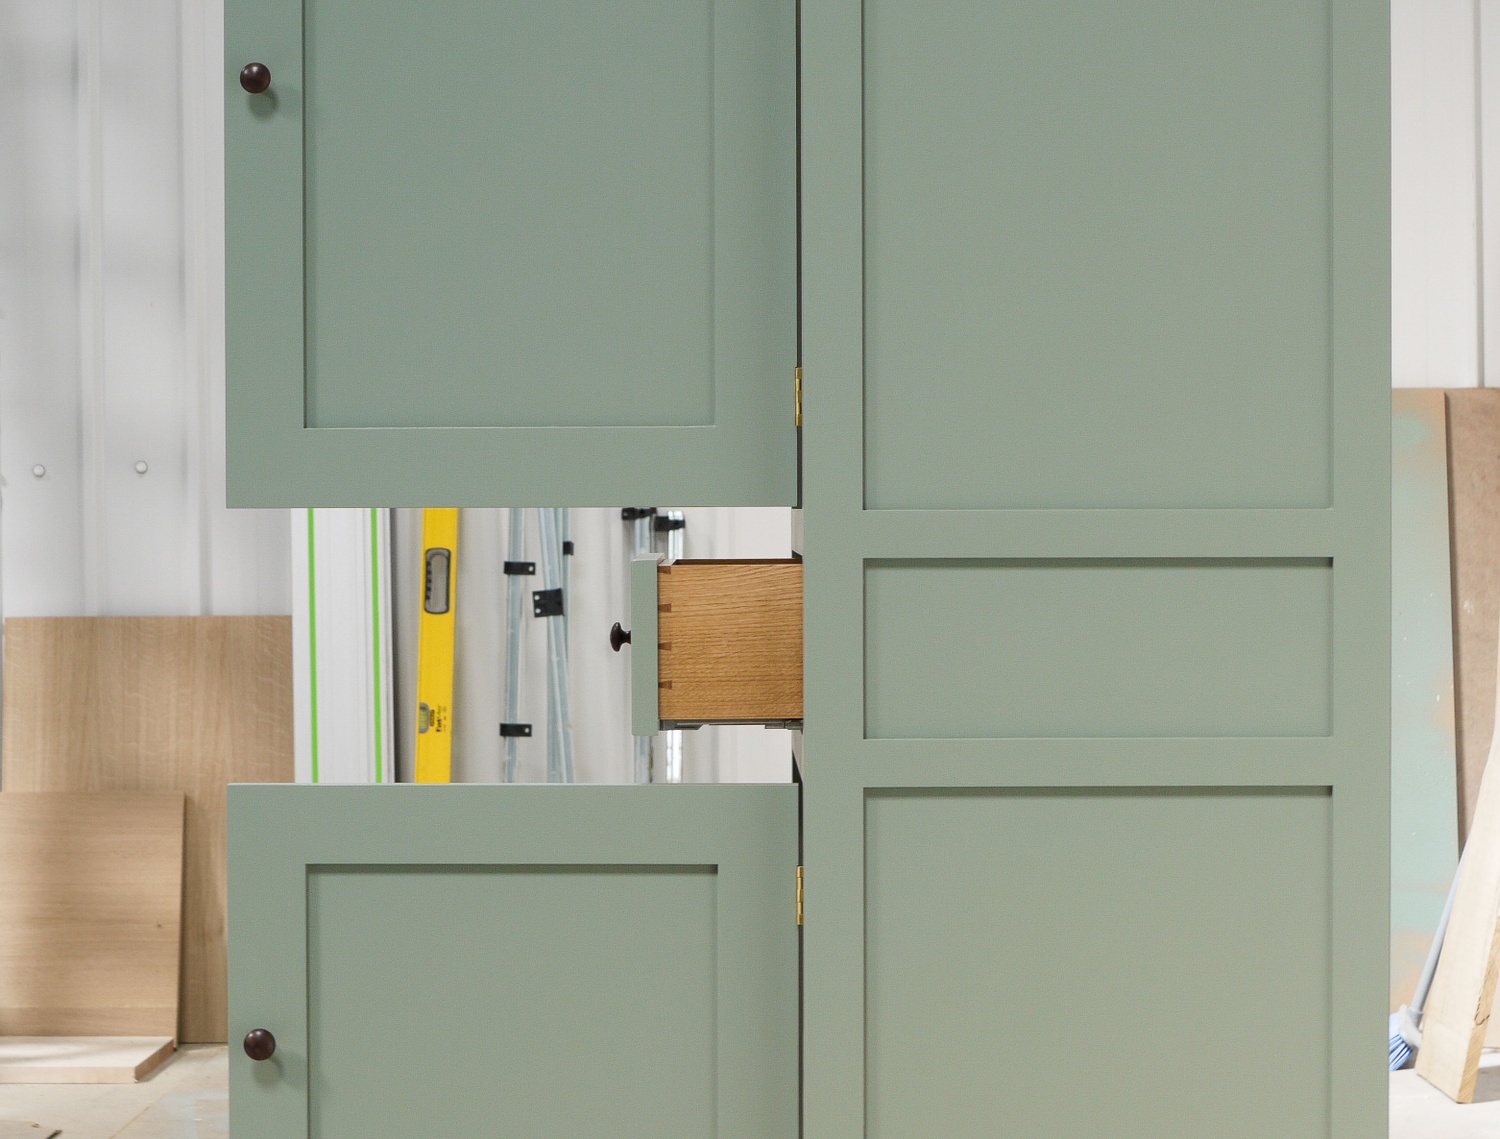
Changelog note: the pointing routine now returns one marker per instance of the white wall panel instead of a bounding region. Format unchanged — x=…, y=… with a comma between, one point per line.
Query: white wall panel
x=111, y=319
x=1435, y=298
x=341, y=645
x=1489, y=196
x=39, y=289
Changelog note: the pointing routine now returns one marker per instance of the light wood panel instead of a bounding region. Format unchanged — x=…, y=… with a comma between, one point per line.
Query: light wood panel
x=185, y=704
x=1474, y=506
x=81, y=1059
x=90, y=912
x=1463, y=991
x=730, y=637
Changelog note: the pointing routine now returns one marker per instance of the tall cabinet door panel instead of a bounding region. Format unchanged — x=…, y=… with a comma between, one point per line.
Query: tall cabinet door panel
x=1096, y=370
x=528, y=961
x=511, y=254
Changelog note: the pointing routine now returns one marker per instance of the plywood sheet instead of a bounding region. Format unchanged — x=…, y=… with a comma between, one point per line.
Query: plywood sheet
x=81, y=1059
x=185, y=704
x=1474, y=505
x=90, y=908
x=1424, y=817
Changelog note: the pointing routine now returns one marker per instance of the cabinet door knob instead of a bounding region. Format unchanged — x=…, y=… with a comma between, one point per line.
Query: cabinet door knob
x=618, y=637
x=255, y=78
x=259, y=1044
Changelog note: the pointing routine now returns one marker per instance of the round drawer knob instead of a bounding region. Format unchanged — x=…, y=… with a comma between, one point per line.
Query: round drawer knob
x=255, y=78
x=259, y=1044
x=618, y=637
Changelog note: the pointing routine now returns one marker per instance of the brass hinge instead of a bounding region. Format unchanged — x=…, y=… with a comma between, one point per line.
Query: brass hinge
x=798, y=401
x=799, y=895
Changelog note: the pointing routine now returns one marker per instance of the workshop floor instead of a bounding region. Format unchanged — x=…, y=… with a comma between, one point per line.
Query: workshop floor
x=188, y=1099
x=1420, y=1111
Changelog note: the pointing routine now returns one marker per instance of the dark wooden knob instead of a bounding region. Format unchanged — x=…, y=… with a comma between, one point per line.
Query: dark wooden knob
x=255, y=78
x=259, y=1044
x=618, y=637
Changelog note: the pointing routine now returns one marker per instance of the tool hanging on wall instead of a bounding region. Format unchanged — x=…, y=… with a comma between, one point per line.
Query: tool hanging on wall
x=435, y=630
x=642, y=541
x=516, y=567
x=551, y=602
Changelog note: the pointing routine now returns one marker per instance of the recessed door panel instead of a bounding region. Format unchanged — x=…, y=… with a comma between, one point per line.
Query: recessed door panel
x=1097, y=255
x=1048, y=648
x=1046, y=958
x=509, y=214
x=565, y=1033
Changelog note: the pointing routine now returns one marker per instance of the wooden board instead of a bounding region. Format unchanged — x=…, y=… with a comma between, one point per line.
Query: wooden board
x=1474, y=504
x=1463, y=992
x=185, y=704
x=81, y=1059
x=1424, y=819
x=90, y=913
x=730, y=641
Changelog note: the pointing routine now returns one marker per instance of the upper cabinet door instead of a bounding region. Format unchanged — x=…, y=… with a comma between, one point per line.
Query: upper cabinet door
x=541, y=252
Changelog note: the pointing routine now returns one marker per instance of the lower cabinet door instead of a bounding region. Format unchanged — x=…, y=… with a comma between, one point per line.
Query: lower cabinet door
x=518, y=961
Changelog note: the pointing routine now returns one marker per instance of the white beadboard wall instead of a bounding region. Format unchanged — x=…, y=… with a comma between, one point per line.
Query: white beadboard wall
x=111, y=319
x=111, y=336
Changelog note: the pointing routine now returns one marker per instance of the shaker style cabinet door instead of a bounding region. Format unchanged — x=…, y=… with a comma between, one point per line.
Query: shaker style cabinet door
x=539, y=252
x=519, y=961
x=1096, y=353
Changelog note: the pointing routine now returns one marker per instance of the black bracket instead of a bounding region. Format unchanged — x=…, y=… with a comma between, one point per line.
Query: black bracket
x=631, y=513
x=520, y=569
x=547, y=603
x=663, y=524
x=567, y=549
x=523, y=730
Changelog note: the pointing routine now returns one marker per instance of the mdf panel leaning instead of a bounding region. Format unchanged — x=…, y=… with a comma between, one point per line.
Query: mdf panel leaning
x=1096, y=513
x=186, y=704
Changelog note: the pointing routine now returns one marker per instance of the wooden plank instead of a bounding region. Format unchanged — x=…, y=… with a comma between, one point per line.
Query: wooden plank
x=1463, y=992
x=81, y=1059
x=1474, y=504
x=185, y=704
x=1424, y=817
x=90, y=914
x=730, y=636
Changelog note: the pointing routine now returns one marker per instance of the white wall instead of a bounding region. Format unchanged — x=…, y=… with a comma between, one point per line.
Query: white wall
x=111, y=319
x=1445, y=193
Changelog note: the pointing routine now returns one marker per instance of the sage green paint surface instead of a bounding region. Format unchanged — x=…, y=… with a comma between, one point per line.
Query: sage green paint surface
x=645, y=678
x=511, y=255
x=1076, y=647
x=1051, y=906
x=1424, y=795
x=1084, y=204
x=582, y=961
x=1088, y=284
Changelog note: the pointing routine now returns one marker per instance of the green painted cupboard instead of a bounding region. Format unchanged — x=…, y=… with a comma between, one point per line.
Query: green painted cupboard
x=1092, y=306
x=484, y=252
